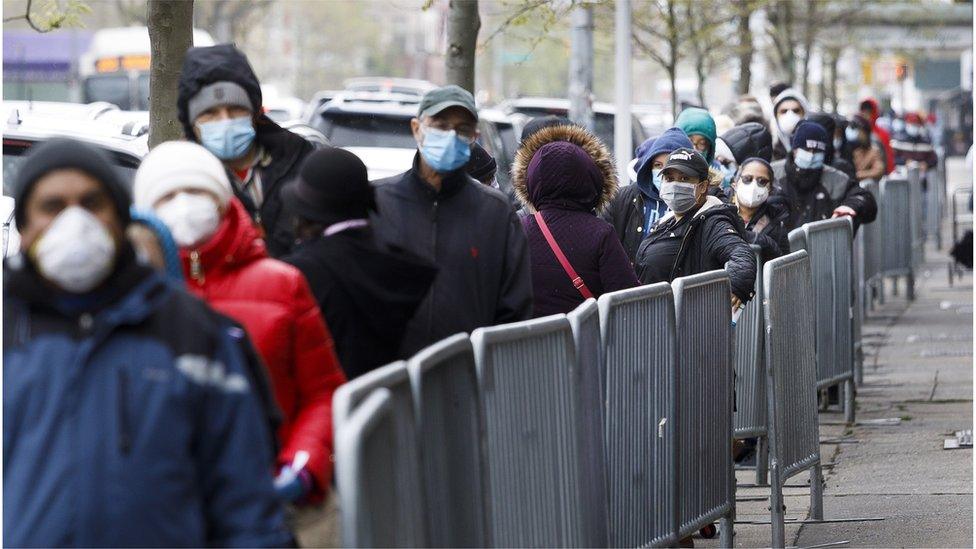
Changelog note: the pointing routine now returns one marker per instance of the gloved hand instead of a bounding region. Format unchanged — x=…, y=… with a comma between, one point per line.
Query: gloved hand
x=292, y=486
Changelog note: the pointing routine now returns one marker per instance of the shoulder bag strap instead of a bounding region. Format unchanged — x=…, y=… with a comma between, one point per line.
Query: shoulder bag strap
x=575, y=278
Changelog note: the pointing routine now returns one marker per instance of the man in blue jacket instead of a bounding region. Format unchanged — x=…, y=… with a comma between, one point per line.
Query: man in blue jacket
x=128, y=415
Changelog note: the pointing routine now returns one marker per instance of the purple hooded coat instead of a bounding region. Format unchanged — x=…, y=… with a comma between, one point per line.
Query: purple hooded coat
x=567, y=174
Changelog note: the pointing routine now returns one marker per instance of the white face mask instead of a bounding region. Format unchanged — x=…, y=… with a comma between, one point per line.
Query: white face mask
x=192, y=218
x=788, y=121
x=750, y=195
x=76, y=252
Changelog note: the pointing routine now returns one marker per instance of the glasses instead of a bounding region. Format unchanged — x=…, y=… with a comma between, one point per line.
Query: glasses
x=748, y=179
x=467, y=135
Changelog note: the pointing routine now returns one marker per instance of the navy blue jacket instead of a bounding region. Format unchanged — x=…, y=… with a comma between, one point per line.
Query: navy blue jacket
x=134, y=424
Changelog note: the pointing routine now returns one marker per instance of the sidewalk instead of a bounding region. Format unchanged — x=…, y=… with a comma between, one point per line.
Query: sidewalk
x=918, y=373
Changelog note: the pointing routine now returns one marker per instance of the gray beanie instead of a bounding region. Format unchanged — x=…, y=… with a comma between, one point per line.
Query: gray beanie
x=218, y=93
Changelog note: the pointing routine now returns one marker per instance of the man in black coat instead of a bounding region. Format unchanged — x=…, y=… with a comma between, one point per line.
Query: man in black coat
x=469, y=230
x=833, y=158
x=219, y=106
x=811, y=190
x=366, y=292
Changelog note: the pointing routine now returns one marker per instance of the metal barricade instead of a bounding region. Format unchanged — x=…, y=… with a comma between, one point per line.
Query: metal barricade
x=448, y=414
x=791, y=369
x=829, y=246
x=898, y=236
x=641, y=372
x=749, y=420
x=917, y=210
x=589, y=380
x=369, y=477
x=403, y=508
x=531, y=445
x=935, y=196
x=869, y=238
x=706, y=478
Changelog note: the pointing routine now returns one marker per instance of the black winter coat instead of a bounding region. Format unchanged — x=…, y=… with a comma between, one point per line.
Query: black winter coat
x=626, y=214
x=819, y=201
x=472, y=234
x=711, y=238
x=367, y=294
x=767, y=229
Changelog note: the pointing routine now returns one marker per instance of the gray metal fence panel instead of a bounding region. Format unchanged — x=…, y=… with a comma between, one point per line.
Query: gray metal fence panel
x=368, y=478
x=408, y=505
x=870, y=235
x=829, y=246
x=531, y=449
x=589, y=380
x=641, y=372
x=448, y=413
x=794, y=429
x=896, y=231
x=704, y=390
x=916, y=216
x=750, y=376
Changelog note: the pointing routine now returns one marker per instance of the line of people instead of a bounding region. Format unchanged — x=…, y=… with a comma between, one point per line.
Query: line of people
x=170, y=358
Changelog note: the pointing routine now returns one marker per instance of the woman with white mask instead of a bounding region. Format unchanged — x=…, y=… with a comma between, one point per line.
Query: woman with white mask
x=700, y=232
x=789, y=108
x=765, y=222
x=227, y=265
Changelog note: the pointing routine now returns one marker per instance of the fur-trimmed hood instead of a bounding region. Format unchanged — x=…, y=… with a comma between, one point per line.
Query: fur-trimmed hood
x=573, y=170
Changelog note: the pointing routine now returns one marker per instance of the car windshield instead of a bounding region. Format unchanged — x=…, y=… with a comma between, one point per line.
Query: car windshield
x=112, y=88
x=366, y=130
x=602, y=121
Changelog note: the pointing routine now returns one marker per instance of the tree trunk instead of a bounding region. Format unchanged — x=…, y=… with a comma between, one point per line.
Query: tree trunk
x=170, y=35
x=702, y=76
x=745, y=49
x=673, y=40
x=672, y=78
x=809, y=32
x=834, y=58
x=463, y=24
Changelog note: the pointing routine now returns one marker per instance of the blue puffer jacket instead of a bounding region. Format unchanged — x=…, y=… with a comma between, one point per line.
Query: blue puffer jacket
x=134, y=424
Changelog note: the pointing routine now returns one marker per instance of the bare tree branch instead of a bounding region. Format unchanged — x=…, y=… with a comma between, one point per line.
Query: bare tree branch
x=26, y=16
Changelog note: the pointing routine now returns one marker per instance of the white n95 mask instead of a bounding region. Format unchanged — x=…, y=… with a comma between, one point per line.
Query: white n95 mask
x=76, y=252
x=192, y=218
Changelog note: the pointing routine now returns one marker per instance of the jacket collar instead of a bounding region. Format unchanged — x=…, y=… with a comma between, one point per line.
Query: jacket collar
x=710, y=202
x=236, y=242
x=451, y=182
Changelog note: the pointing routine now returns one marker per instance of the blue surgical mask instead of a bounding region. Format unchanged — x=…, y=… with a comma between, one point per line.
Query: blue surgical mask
x=728, y=174
x=852, y=135
x=443, y=150
x=657, y=179
x=227, y=139
x=807, y=160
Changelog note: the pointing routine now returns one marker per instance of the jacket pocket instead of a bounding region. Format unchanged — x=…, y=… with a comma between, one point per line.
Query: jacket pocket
x=122, y=398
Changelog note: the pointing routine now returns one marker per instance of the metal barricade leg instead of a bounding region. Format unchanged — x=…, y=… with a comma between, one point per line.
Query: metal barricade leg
x=881, y=290
x=726, y=533
x=894, y=286
x=816, y=493
x=776, y=508
x=849, y=401
x=910, y=283
x=762, y=461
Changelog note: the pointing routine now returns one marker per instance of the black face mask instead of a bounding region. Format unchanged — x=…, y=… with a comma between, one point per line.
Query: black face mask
x=802, y=180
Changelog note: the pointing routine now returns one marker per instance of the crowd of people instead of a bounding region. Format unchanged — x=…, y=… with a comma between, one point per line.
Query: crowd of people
x=171, y=352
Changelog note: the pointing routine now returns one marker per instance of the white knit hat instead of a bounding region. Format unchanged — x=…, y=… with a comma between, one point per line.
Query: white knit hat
x=176, y=165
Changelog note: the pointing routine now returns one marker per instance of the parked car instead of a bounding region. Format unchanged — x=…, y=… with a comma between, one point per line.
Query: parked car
x=404, y=86
x=500, y=137
x=603, y=116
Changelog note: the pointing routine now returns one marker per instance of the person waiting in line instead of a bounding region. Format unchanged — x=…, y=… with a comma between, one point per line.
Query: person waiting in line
x=765, y=223
x=700, y=233
x=789, y=108
x=811, y=190
x=155, y=245
x=226, y=264
x=367, y=292
x=832, y=156
x=563, y=175
x=482, y=166
x=636, y=208
x=912, y=144
x=869, y=109
x=470, y=231
x=868, y=160
x=699, y=126
x=128, y=416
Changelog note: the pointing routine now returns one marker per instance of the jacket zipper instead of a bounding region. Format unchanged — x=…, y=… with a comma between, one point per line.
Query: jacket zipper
x=433, y=255
x=125, y=444
x=196, y=267
x=681, y=248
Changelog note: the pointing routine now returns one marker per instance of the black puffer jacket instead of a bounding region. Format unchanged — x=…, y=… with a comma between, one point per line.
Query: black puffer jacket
x=224, y=62
x=819, y=201
x=767, y=229
x=626, y=214
x=470, y=232
x=749, y=140
x=711, y=238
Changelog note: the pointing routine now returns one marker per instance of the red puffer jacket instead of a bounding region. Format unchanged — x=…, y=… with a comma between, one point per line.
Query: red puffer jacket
x=272, y=300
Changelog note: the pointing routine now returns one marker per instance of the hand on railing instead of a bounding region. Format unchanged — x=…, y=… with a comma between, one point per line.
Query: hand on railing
x=842, y=211
x=736, y=303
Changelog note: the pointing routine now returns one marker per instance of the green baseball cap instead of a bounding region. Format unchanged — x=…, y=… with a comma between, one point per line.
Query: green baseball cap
x=438, y=99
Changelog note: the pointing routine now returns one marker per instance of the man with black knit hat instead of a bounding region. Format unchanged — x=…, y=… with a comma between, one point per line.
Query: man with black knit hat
x=119, y=389
x=219, y=106
x=482, y=166
x=366, y=292
x=813, y=190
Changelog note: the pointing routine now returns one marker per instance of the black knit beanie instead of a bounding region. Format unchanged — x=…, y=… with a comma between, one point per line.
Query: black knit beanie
x=62, y=153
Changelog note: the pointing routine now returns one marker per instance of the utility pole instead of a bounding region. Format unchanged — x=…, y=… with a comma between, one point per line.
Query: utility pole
x=581, y=67
x=622, y=134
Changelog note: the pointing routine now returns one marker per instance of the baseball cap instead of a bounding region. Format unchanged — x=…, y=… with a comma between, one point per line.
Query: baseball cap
x=689, y=162
x=442, y=98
